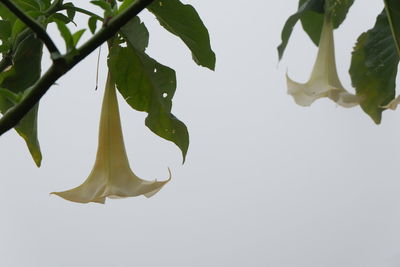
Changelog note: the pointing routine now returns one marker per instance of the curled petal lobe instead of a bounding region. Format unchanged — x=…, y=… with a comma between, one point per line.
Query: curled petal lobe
x=324, y=80
x=393, y=104
x=111, y=175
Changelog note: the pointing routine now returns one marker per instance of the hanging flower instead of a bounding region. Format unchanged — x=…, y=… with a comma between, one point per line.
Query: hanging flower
x=324, y=80
x=111, y=175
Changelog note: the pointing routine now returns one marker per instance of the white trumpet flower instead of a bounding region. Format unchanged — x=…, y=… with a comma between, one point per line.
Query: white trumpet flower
x=324, y=80
x=111, y=175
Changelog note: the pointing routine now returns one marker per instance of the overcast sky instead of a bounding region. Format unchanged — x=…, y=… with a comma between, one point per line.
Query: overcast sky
x=265, y=183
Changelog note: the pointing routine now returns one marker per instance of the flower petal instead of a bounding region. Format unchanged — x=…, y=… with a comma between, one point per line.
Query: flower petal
x=324, y=80
x=111, y=175
x=301, y=92
x=393, y=104
x=344, y=98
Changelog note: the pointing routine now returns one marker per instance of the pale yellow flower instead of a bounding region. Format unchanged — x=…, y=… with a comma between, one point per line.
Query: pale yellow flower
x=324, y=80
x=111, y=175
x=393, y=104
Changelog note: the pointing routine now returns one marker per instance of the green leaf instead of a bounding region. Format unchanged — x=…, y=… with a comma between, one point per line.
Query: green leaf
x=183, y=21
x=24, y=73
x=308, y=5
x=77, y=36
x=311, y=14
x=11, y=96
x=125, y=4
x=4, y=48
x=102, y=4
x=65, y=33
x=148, y=86
x=19, y=26
x=6, y=14
x=106, y=6
x=27, y=5
x=92, y=23
x=373, y=68
x=71, y=12
x=393, y=12
x=47, y=3
x=61, y=17
x=338, y=9
x=5, y=30
x=136, y=33
x=312, y=20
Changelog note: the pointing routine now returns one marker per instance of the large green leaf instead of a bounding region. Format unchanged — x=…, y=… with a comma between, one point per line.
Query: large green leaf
x=136, y=33
x=338, y=10
x=373, y=67
x=393, y=11
x=24, y=72
x=148, y=86
x=183, y=21
x=312, y=21
x=5, y=32
x=6, y=14
x=311, y=14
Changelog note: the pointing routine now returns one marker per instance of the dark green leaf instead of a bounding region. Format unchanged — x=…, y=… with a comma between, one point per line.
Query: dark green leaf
x=5, y=30
x=106, y=6
x=42, y=4
x=393, y=12
x=4, y=48
x=70, y=10
x=47, y=3
x=92, y=23
x=125, y=4
x=136, y=33
x=148, y=86
x=65, y=33
x=183, y=21
x=312, y=21
x=27, y=5
x=308, y=5
x=19, y=26
x=61, y=17
x=338, y=9
x=311, y=14
x=373, y=68
x=11, y=96
x=24, y=73
x=77, y=36
x=6, y=14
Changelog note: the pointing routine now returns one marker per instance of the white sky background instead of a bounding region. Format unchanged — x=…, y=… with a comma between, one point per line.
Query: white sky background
x=266, y=182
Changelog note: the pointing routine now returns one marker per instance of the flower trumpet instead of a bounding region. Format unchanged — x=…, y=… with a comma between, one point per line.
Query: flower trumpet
x=324, y=80
x=111, y=175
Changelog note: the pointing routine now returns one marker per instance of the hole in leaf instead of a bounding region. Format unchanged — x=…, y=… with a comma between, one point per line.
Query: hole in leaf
x=165, y=95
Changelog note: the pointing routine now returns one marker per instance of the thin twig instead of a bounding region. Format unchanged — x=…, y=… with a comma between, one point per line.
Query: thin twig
x=67, y=62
